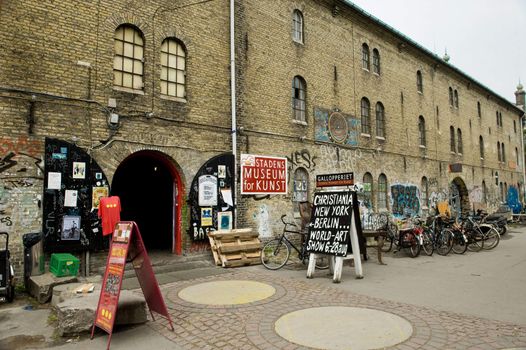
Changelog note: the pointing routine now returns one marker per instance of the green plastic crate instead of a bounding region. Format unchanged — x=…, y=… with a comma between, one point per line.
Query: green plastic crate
x=64, y=264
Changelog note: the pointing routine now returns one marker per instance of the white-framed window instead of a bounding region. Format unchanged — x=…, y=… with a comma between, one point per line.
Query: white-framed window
x=299, y=95
x=365, y=108
x=297, y=26
x=380, y=120
x=376, y=61
x=382, y=192
x=173, y=68
x=365, y=56
x=128, y=62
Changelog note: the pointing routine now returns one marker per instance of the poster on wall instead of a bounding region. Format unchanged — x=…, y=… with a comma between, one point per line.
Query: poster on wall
x=71, y=227
x=79, y=170
x=207, y=190
x=206, y=217
x=224, y=221
x=263, y=174
x=221, y=171
x=70, y=198
x=97, y=193
x=54, y=181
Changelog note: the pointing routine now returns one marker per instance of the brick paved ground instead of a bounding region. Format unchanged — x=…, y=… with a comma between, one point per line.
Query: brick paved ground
x=251, y=326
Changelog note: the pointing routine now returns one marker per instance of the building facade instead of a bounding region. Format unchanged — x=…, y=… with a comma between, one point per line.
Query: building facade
x=133, y=99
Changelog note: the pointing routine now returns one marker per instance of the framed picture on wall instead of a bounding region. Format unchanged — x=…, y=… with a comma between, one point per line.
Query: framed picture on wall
x=224, y=221
x=71, y=228
x=79, y=170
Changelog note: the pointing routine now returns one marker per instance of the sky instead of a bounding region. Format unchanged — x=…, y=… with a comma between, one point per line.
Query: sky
x=486, y=39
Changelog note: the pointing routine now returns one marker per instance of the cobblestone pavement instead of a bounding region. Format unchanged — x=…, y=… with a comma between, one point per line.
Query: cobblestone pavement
x=251, y=326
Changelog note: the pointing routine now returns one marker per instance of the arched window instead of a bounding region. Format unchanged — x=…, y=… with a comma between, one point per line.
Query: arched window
x=365, y=56
x=456, y=98
x=380, y=120
x=481, y=147
x=503, y=153
x=300, y=187
x=366, y=120
x=422, y=131
x=173, y=68
x=498, y=119
x=452, y=147
x=479, y=110
x=382, y=192
x=460, y=147
x=499, y=152
x=368, y=190
x=297, y=26
x=424, y=192
x=517, y=156
x=299, y=95
x=450, y=96
x=484, y=192
x=376, y=61
x=419, y=82
x=128, y=59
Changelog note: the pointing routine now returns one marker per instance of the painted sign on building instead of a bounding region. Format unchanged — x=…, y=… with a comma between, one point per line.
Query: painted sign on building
x=263, y=175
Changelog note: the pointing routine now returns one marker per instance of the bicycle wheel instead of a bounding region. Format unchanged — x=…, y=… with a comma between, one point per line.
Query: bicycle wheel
x=444, y=242
x=475, y=241
x=415, y=246
x=275, y=254
x=392, y=230
x=491, y=238
x=460, y=244
x=428, y=245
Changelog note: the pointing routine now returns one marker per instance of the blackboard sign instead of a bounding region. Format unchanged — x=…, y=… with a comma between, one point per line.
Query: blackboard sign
x=330, y=225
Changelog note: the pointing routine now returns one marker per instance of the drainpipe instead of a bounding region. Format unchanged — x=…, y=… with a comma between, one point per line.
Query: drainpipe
x=233, y=101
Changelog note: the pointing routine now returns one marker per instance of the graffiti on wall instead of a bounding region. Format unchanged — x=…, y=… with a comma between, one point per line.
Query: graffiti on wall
x=301, y=159
x=476, y=195
x=405, y=201
x=332, y=157
x=513, y=200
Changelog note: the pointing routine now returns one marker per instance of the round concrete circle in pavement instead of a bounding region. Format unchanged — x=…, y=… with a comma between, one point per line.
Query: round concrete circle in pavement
x=338, y=327
x=227, y=292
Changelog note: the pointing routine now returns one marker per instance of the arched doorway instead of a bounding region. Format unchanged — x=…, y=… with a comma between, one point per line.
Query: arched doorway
x=458, y=197
x=150, y=189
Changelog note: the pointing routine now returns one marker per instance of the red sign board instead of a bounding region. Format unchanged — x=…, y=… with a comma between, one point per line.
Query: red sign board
x=126, y=245
x=263, y=175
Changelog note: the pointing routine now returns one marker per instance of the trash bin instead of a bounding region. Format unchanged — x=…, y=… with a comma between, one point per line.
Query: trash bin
x=33, y=255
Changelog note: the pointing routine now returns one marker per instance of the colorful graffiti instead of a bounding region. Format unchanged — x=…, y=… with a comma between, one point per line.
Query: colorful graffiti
x=405, y=200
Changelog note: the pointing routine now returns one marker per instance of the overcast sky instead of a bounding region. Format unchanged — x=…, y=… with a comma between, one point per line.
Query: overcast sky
x=486, y=39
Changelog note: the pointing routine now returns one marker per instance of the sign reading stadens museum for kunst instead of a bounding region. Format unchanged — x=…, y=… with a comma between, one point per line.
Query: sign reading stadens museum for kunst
x=263, y=175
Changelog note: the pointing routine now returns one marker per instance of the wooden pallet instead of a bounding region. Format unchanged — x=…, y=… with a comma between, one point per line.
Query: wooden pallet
x=239, y=247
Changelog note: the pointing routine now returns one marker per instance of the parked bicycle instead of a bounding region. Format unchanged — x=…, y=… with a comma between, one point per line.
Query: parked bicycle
x=409, y=237
x=435, y=237
x=481, y=236
x=276, y=252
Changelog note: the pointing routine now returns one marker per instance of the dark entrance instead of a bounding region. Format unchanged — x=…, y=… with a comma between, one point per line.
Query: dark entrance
x=458, y=197
x=145, y=185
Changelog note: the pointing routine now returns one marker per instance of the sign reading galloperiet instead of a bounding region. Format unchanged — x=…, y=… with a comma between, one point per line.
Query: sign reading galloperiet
x=263, y=175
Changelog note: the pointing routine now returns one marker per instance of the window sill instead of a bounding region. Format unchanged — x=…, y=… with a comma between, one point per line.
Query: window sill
x=366, y=135
x=376, y=74
x=365, y=70
x=422, y=146
x=380, y=138
x=451, y=152
x=173, y=98
x=299, y=122
x=295, y=41
x=420, y=92
x=128, y=90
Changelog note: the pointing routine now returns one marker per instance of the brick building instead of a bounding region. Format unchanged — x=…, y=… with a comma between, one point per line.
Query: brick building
x=137, y=96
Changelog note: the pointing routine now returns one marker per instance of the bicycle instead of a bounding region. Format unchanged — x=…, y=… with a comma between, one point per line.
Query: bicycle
x=409, y=237
x=436, y=237
x=276, y=252
x=483, y=236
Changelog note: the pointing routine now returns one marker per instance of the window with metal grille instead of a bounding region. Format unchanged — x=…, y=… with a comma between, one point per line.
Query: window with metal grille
x=376, y=61
x=366, y=122
x=297, y=26
x=419, y=82
x=382, y=192
x=422, y=131
x=365, y=57
x=380, y=120
x=173, y=68
x=128, y=59
x=298, y=98
x=301, y=183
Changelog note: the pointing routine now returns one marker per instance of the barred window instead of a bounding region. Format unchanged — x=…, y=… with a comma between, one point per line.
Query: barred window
x=382, y=192
x=422, y=131
x=301, y=185
x=366, y=122
x=128, y=59
x=380, y=120
x=173, y=68
x=419, y=82
x=297, y=26
x=376, y=61
x=365, y=56
x=299, y=98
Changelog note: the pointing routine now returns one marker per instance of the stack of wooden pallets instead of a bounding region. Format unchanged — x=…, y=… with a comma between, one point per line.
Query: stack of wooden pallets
x=239, y=247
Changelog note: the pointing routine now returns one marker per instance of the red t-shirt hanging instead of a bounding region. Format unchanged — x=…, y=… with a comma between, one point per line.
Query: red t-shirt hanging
x=110, y=212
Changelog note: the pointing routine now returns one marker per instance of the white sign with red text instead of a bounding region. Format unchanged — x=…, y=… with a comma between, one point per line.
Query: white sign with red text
x=263, y=174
